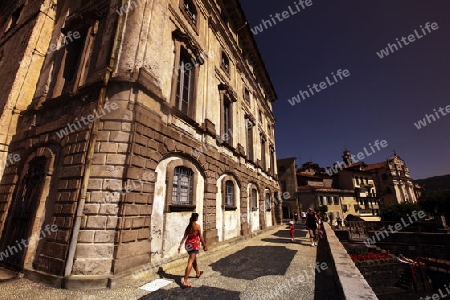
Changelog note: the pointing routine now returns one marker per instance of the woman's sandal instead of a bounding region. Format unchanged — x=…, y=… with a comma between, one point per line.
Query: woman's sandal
x=185, y=285
x=198, y=275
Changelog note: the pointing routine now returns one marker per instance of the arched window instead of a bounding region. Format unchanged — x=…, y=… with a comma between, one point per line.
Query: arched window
x=229, y=193
x=182, y=186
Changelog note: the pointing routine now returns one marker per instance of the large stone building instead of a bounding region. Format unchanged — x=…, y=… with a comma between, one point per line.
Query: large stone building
x=394, y=181
x=121, y=119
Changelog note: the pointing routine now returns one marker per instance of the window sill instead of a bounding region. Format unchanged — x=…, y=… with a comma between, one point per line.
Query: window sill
x=180, y=208
x=229, y=208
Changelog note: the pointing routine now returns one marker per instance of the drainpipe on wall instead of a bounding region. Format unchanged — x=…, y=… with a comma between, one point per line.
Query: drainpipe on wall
x=91, y=146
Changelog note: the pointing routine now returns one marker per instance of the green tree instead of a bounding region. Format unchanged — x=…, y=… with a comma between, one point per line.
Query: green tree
x=437, y=202
x=323, y=208
x=396, y=212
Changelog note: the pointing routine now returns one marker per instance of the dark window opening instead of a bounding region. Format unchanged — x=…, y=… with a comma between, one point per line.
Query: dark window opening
x=184, y=92
x=191, y=11
x=254, y=199
x=225, y=62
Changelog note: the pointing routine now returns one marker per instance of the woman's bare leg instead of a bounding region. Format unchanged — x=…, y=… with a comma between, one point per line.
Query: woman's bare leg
x=194, y=264
x=191, y=260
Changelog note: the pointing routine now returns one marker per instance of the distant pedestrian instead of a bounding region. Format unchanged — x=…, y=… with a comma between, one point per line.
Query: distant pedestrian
x=339, y=222
x=311, y=224
x=193, y=237
x=291, y=230
x=296, y=218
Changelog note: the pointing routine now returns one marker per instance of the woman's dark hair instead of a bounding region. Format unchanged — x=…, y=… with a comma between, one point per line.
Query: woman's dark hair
x=190, y=227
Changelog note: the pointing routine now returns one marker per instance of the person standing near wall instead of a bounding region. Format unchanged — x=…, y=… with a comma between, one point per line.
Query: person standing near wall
x=311, y=225
x=193, y=237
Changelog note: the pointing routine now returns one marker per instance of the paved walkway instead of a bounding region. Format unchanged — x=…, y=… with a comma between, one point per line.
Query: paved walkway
x=268, y=266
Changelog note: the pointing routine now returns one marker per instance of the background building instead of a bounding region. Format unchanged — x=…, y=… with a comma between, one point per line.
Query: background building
x=394, y=181
x=133, y=115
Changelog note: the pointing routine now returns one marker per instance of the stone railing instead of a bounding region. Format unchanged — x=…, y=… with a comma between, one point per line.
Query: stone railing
x=348, y=276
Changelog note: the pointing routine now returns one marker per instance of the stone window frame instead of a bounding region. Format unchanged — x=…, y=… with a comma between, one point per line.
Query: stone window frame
x=192, y=18
x=169, y=184
x=183, y=42
x=225, y=205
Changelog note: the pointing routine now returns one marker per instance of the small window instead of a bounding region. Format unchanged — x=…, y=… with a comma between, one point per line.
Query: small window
x=336, y=200
x=263, y=154
x=15, y=16
x=246, y=95
x=225, y=63
x=250, y=142
x=182, y=186
x=229, y=193
x=185, y=83
x=330, y=201
x=191, y=11
x=254, y=199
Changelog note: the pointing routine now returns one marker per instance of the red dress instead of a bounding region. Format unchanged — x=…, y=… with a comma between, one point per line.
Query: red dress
x=291, y=230
x=193, y=240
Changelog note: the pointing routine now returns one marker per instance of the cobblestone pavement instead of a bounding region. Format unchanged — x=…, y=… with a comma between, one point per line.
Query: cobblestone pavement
x=268, y=266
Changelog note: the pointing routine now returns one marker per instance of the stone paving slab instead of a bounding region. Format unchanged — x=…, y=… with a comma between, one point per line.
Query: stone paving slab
x=268, y=266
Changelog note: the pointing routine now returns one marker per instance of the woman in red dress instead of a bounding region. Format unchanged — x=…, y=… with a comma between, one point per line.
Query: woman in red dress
x=193, y=237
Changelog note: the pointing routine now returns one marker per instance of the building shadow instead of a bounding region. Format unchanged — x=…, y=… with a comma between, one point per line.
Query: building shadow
x=255, y=261
x=202, y=292
x=285, y=233
x=326, y=286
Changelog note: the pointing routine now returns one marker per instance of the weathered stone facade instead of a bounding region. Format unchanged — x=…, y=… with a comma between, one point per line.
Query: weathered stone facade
x=140, y=113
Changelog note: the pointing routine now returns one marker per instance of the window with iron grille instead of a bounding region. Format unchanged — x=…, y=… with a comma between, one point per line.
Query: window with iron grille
x=254, y=199
x=229, y=193
x=182, y=186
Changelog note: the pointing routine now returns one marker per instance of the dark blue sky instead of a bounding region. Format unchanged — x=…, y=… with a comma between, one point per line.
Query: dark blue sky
x=381, y=99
